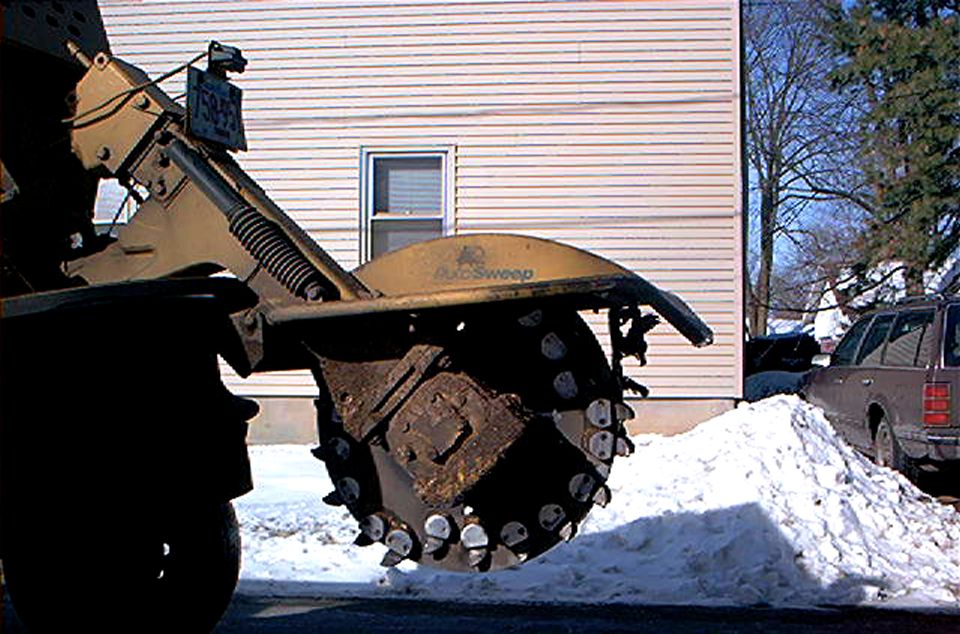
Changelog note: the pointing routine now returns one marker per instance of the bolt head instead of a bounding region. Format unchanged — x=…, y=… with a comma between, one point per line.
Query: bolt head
x=474, y=536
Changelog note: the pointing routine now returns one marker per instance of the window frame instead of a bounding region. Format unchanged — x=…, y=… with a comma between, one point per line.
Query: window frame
x=368, y=156
x=944, y=334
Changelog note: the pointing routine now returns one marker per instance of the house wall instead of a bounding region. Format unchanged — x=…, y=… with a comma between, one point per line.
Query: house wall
x=611, y=126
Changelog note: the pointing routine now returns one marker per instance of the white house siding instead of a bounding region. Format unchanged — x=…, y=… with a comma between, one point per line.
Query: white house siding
x=612, y=126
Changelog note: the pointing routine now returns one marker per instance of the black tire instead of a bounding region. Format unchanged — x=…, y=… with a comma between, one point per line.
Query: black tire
x=178, y=575
x=887, y=452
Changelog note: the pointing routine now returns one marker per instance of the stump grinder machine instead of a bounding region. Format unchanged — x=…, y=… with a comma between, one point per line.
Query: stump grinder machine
x=466, y=414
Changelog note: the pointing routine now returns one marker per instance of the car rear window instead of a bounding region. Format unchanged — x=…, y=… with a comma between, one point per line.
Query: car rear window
x=843, y=355
x=951, y=347
x=872, y=346
x=911, y=338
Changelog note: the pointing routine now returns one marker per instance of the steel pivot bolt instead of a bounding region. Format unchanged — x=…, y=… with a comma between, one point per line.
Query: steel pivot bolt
x=513, y=533
x=599, y=413
x=349, y=490
x=550, y=516
x=552, y=347
x=339, y=448
x=399, y=541
x=373, y=527
x=474, y=536
x=581, y=487
x=437, y=528
x=565, y=385
x=602, y=444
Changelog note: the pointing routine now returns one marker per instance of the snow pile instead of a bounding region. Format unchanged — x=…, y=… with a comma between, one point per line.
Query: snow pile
x=763, y=505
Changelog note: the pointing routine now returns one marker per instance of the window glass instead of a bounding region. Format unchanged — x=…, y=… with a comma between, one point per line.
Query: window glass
x=951, y=349
x=406, y=200
x=393, y=234
x=872, y=346
x=843, y=355
x=408, y=185
x=112, y=206
x=909, y=344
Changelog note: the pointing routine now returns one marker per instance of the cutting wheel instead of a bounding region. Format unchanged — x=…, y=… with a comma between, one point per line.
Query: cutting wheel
x=482, y=445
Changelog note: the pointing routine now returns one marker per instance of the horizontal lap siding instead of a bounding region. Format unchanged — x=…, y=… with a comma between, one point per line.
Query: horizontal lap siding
x=612, y=126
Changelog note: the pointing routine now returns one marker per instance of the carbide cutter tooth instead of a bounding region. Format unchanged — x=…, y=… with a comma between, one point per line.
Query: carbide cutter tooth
x=602, y=496
x=391, y=559
x=432, y=545
x=625, y=446
x=568, y=531
x=531, y=319
x=333, y=499
x=362, y=540
x=478, y=556
x=623, y=412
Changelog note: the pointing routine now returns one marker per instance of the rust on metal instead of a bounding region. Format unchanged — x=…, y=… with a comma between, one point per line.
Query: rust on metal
x=451, y=434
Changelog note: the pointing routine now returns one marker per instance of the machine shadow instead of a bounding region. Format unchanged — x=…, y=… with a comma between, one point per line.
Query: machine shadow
x=726, y=557
x=726, y=566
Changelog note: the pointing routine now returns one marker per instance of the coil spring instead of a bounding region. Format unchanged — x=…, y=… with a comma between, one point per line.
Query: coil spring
x=272, y=248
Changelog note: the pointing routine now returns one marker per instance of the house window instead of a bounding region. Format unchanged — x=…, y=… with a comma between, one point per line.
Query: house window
x=406, y=199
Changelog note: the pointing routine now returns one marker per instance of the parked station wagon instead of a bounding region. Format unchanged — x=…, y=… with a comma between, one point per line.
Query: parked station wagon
x=891, y=385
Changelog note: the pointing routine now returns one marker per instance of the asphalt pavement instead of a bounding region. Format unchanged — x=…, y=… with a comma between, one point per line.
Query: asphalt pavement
x=265, y=615
x=279, y=615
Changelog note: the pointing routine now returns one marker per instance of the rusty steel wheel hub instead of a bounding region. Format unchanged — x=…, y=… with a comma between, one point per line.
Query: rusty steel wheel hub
x=479, y=448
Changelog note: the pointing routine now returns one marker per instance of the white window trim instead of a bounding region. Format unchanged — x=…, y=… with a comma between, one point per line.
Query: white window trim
x=446, y=154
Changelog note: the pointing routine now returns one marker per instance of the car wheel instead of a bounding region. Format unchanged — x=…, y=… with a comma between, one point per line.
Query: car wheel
x=171, y=573
x=888, y=453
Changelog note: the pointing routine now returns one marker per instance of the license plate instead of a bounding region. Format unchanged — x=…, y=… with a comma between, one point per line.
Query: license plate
x=214, y=112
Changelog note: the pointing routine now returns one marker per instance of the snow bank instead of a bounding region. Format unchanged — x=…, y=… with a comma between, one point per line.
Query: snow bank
x=763, y=505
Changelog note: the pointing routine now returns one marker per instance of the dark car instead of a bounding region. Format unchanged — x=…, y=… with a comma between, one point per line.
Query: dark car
x=790, y=352
x=891, y=385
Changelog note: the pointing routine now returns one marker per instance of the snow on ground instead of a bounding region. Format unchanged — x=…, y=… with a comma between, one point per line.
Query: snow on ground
x=762, y=505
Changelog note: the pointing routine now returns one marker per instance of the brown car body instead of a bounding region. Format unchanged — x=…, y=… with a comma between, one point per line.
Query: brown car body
x=892, y=385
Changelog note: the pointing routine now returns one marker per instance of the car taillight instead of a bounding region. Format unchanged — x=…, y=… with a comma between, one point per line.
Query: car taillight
x=936, y=404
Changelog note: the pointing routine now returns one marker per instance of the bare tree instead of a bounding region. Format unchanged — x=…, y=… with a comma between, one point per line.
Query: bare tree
x=795, y=137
